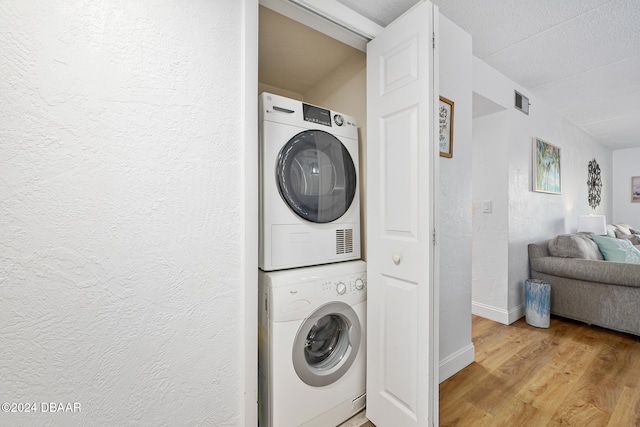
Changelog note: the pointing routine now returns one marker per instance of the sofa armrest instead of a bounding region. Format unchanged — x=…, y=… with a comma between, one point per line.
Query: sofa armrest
x=539, y=249
x=609, y=272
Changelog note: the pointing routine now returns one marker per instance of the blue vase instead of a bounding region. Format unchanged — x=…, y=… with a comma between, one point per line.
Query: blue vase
x=537, y=296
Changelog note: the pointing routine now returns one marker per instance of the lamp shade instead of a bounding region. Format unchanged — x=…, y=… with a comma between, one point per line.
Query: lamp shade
x=596, y=224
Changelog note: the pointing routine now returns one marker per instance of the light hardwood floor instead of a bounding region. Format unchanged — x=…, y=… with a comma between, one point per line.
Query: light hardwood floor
x=568, y=375
x=571, y=374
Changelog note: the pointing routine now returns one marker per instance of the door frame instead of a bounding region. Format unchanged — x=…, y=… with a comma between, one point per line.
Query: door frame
x=323, y=25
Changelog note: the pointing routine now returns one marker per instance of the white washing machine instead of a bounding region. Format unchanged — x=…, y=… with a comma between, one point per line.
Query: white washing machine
x=309, y=197
x=311, y=351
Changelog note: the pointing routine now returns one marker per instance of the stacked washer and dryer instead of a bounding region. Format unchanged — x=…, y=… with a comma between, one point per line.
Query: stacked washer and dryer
x=312, y=286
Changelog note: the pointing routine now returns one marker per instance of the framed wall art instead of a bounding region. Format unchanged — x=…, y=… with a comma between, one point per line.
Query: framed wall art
x=635, y=189
x=546, y=167
x=594, y=184
x=446, y=127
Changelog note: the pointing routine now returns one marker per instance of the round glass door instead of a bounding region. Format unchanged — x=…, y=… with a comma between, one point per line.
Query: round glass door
x=327, y=344
x=316, y=176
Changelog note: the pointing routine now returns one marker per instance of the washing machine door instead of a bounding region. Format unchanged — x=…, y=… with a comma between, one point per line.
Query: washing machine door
x=327, y=344
x=316, y=176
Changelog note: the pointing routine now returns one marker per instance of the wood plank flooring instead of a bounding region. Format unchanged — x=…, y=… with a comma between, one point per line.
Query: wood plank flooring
x=571, y=374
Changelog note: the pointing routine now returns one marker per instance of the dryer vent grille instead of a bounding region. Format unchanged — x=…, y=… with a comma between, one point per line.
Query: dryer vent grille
x=344, y=241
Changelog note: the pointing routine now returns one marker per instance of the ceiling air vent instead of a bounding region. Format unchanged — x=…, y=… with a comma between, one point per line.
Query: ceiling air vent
x=522, y=103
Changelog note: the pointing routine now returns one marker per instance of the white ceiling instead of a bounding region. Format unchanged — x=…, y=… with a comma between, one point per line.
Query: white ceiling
x=581, y=57
x=382, y=12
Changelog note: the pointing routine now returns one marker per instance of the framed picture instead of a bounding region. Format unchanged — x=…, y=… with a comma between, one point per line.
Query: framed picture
x=546, y=167
x=635, y=189
x=446, y=127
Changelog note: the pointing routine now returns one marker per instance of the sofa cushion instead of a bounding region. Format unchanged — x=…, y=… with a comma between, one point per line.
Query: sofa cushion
x=633, y=238
x=619, y=250
x=574, y=246
x=622, y=228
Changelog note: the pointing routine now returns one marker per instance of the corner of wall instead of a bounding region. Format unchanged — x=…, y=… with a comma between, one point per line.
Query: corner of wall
x=454, y=206
x=456, y=362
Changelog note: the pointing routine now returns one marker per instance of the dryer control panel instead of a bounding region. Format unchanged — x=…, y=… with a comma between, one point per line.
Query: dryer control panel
x=314, y=114
x=278, y=109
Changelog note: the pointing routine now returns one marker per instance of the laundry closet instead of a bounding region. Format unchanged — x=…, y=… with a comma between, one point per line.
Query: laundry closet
x=312, y=282
x=394, y=321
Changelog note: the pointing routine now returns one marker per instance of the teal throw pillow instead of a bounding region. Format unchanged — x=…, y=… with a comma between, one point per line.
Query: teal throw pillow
x=618, y=250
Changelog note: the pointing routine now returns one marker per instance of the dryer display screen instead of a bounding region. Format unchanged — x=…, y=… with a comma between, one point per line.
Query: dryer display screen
x=316, y=115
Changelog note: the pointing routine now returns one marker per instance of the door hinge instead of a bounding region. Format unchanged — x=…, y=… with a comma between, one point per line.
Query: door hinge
x=434, y=237
x=433, y=39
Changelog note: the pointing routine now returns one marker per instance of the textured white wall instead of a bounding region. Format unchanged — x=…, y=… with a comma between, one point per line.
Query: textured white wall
x=454, y=204
x=626, y=164
x=536, y=216
x=490, y=260
x=121, y=223
x=490, y=230
x=531, y=216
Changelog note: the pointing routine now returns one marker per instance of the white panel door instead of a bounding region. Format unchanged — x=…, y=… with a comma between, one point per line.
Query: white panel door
x=401, y=336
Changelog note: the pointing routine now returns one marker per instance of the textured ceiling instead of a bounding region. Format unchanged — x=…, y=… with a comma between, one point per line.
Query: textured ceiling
x=581, y=57
x=382, y=12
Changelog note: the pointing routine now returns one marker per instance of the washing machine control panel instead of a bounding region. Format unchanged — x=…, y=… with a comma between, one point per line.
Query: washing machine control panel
x=342, y=287
x=288, y=302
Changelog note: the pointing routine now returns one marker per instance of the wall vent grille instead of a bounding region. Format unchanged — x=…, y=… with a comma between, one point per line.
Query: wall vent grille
x=344, y=241
x=522, y=103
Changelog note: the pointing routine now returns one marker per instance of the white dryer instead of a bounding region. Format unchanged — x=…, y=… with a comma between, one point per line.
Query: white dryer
x=311, y=348
x=309, y=197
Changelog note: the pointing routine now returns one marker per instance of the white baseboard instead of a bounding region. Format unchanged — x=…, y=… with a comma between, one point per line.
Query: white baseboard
x=454, y=363
x=497, y=314
x=517, y=313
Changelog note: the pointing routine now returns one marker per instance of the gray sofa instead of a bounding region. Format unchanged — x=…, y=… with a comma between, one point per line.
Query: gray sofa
x=584, y=286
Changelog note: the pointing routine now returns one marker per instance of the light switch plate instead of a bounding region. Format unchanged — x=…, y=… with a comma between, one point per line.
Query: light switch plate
x=486, y=206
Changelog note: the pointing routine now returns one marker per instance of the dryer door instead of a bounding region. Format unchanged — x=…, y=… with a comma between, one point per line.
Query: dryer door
x=326, y=344
x=316, y=176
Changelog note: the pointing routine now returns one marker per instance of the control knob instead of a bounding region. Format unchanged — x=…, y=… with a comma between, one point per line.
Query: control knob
x=341, y=288
x=359, y=284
